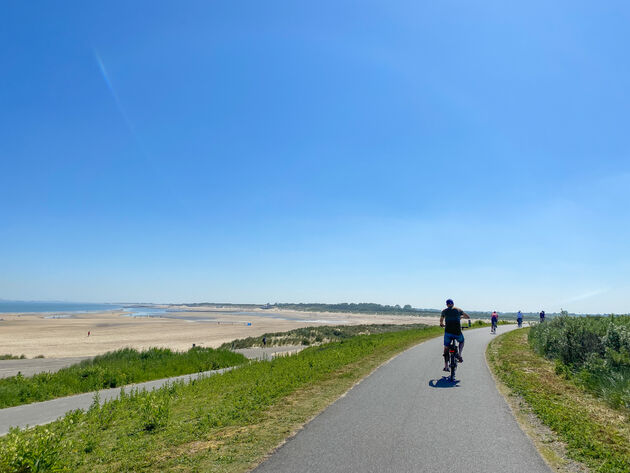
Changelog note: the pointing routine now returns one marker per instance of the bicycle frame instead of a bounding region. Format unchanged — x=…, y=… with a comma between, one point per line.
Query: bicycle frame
x=452, y=355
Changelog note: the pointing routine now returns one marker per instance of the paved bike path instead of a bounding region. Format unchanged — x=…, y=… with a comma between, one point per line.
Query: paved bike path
x=406, y=417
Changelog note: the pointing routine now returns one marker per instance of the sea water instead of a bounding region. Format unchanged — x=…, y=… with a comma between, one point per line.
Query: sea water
x=54, y=307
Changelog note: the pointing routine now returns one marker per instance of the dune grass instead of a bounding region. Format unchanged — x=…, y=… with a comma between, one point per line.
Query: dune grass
x=594, y=351
x=317, y=335
x=324, y=334
x=111, y=370
x=12, y=357
x=224, y=423
x=594, y=433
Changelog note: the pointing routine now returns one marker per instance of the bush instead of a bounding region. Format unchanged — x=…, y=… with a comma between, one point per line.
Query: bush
x=155, y=410
x=12, y=357
x=317, y=335
x=595, y=350
x=40, y=452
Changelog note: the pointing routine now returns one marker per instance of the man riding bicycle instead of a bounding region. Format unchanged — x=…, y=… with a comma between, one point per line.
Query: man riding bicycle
x=453, y=329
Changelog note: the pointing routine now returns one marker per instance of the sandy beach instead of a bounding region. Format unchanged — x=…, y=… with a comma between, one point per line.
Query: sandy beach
x=38, y=334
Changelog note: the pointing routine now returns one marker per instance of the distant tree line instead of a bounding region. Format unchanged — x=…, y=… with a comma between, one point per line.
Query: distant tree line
x=367, y=308
x=359, y=308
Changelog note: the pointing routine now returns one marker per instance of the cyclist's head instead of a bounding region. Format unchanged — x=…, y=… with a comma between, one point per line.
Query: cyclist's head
x=449, y=302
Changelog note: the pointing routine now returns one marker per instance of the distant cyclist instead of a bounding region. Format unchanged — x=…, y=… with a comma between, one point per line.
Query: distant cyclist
x=519, y=319
x=453, y=329
x=542, y=315
x=494, y=319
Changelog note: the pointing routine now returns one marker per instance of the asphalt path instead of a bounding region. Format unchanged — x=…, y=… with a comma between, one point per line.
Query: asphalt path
x=407, y=417
x=30, y=367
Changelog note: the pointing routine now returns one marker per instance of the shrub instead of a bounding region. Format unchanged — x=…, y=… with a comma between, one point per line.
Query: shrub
x=155, y=410
x=595, y=350
x=39, y=452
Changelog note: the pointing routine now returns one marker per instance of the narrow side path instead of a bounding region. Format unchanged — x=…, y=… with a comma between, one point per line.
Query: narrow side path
x=406, y=417
x=40, y=413
x=30, y=367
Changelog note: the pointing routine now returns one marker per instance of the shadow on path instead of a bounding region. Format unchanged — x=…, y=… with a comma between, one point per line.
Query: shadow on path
x=444, y=382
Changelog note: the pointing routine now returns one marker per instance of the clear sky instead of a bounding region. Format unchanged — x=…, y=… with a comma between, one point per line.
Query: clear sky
x=397, y=152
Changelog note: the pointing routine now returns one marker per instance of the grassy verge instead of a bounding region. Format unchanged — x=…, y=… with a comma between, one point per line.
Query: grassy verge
x=111, y=370
x=224, y=423
x=593, y=432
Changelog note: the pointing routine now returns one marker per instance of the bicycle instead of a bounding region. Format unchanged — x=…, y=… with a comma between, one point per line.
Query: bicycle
x=452, y=359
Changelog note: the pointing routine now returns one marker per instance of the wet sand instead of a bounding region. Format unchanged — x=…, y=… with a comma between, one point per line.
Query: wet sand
x=33, y=334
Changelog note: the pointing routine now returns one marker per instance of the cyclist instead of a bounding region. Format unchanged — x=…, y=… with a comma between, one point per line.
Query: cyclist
x=542, y=315
x=495, y=320
x=452, y=329
x=519, y=319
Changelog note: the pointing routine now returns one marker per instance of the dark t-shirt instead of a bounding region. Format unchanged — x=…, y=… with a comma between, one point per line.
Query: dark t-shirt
x=452, y=319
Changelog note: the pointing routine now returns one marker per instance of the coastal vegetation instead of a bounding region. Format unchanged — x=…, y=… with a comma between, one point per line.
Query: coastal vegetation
x=592, y=351
x=316, y=335
x=111, y=370
x=590, y=429
x=358, y=308
x=12, y=357
x=224, y=423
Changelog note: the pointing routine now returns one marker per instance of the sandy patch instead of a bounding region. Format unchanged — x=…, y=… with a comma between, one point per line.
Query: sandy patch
x=33, y=334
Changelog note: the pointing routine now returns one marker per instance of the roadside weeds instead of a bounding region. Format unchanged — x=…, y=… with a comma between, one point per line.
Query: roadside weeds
x=574, y=431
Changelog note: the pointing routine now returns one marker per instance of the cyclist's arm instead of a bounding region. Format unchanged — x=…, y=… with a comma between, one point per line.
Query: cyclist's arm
x=465, y=315
x=442, y=321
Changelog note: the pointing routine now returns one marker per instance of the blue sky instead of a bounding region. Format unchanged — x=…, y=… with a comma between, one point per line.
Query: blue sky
x=392, y=152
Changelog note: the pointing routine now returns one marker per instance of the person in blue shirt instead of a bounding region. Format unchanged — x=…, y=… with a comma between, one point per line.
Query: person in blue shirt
x=542, y=315
x=519, y=319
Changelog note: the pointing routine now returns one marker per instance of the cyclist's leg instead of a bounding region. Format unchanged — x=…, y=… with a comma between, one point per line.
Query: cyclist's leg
x=460, y=339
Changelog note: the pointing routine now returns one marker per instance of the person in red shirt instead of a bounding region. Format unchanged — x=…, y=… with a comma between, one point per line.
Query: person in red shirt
x=495, y=320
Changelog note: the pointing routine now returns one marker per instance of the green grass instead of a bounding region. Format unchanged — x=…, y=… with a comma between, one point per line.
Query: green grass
x=324, y=334
x=594, y=351
x=595, y=433
x=112, y=370
x=224, y=423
